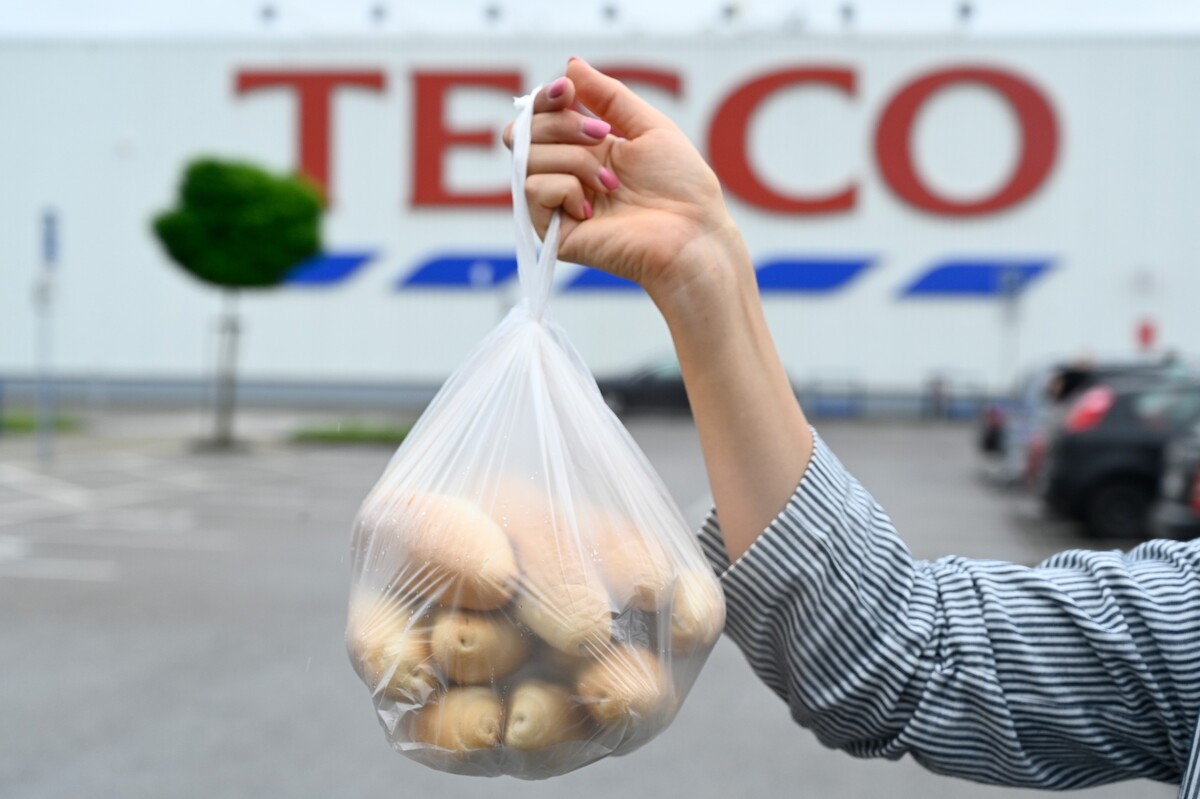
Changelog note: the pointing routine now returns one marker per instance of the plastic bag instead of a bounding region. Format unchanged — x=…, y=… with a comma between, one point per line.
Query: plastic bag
x=526, y=597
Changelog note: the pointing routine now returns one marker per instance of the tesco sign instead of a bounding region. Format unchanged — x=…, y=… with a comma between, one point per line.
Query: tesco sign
x=434, y=138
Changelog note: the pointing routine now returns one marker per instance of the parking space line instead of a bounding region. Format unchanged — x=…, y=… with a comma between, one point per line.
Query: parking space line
x=16, y=562
x=40, y=485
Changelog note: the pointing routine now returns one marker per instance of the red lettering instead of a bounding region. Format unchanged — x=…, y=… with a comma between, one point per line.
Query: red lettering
x=314, y=92
x=1039, y=140
x=729, y=154
x=432, y=139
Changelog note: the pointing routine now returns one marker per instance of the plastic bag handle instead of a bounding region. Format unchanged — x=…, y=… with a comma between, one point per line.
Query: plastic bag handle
x=535, y=271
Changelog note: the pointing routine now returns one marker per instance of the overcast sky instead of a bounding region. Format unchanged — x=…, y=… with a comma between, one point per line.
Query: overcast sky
x=121, y=18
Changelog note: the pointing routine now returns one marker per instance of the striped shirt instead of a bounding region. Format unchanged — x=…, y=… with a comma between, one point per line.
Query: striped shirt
x=1081, y=671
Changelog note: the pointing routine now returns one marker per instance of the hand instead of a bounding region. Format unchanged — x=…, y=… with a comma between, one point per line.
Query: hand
x=639, y=201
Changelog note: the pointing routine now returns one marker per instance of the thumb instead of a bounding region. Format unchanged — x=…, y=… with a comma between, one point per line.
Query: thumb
x=612, y=100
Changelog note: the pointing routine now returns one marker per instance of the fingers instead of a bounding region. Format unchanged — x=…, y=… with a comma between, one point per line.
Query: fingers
x=581, y=162
x=549, y=192
x=555, y=95
x=563, y=127
x=612, y=101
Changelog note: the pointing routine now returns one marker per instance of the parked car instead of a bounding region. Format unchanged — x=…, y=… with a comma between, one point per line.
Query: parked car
x=1013, y=429
x=1177, y=514
x=657, y=386
x=1103, y=461
x=654, y=387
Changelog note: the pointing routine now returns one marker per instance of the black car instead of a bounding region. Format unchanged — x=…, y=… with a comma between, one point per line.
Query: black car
x=1104, y=459
x=1009, y=426
x=656, y=387
x=1177, y=514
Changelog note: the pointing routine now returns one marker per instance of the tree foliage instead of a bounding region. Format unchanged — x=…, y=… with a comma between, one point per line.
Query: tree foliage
x=238, y=226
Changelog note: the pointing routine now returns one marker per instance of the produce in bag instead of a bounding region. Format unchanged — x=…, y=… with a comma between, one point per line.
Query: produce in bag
x=526, y=597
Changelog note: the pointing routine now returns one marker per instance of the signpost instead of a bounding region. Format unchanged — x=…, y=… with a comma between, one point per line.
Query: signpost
x=43, y=301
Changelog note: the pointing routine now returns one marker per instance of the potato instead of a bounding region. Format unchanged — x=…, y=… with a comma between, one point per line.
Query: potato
x=628, y=684
x=562, y=597
x=635, y=567
x=477, y=647
x=457, y=555
x=541, y=714
x=697, y=611
x=574, y=619
x=461, y=720
x=390, y=650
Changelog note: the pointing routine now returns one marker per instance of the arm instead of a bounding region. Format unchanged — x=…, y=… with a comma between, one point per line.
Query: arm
x=1079, y=672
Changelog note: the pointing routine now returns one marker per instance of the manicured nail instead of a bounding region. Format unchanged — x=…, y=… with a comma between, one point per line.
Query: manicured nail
x=587, y=210
x=555, y=90
x=596, y=128
x=608, y=179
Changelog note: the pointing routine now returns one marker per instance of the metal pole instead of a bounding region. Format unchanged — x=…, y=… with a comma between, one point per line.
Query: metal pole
x=43, y=300
x=1010, y=288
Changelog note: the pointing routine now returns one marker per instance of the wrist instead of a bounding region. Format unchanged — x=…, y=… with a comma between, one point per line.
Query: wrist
x=711, y=275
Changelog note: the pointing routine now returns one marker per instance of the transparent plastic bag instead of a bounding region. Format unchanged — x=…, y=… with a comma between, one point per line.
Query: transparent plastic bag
x=526, y=597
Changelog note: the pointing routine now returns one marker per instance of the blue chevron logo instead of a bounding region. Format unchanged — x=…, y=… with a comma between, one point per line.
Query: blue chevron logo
x=328, y=268
x=986, y=278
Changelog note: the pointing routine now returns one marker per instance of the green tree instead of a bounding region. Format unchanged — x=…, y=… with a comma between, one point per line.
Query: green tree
x=236, y=226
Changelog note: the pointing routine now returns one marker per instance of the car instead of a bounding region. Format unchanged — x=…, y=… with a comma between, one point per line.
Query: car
x=1177, y=513
x=1103, y=460
x=1012, y=430
x=657, y=386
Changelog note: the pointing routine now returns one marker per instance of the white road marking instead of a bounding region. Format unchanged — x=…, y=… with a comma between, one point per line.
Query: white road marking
x=15, y=562
x=40, y=485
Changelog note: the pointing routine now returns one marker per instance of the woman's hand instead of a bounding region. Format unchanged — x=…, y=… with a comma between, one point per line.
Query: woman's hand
x=639, y=200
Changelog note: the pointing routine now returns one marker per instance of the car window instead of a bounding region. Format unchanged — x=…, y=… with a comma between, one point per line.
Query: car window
x=667, y=371
x=1168, y=408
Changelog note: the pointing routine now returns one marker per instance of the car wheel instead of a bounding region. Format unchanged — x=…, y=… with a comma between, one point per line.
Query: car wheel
x=615, y=402
x=1119, y=508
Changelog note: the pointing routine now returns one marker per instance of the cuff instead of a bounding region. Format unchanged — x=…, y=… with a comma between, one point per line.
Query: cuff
x=781, y=555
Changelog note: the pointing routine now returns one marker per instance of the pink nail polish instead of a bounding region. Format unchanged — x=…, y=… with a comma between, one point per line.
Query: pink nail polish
x=608, y=179
x=596, y=128
x=555, y=89
x=587, y=210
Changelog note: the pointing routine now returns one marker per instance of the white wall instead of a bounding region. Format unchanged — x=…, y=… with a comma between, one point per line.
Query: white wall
x=101, y=131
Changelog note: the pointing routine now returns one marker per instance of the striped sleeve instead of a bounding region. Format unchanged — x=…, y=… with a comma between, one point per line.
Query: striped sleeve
x=1077, y=672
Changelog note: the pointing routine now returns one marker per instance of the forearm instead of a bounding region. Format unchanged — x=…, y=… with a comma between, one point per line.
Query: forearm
x=755, y=439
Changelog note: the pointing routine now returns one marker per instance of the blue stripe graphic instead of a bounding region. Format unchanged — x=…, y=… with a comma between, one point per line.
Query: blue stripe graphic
x=328, y=267
x=809, y=275
x=595, y=280
x=977, y=277
x=462, y=271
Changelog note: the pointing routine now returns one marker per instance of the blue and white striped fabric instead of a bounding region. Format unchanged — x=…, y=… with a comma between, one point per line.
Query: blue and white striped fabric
x=1081, y=671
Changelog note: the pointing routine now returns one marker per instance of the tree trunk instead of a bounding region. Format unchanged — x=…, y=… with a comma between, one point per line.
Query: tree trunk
x=226, y=378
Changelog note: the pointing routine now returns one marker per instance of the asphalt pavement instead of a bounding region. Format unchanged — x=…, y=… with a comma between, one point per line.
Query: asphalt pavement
x=171, y=625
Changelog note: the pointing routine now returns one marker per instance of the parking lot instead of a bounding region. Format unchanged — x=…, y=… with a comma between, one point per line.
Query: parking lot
x=173, y=624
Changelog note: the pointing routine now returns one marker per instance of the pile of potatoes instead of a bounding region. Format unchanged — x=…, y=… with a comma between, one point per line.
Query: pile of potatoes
x=508, y=630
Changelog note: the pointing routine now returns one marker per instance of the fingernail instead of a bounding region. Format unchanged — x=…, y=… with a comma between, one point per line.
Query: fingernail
x=587, y=210
x=608, y=178
x=596, y=128
x=556, y=88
